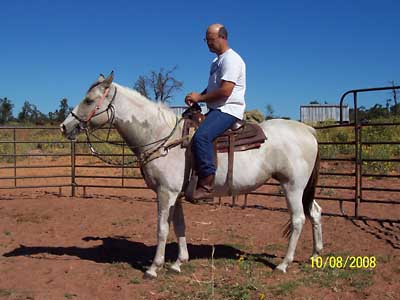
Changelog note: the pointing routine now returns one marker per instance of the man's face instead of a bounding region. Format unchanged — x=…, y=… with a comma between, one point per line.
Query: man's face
x=214, y=42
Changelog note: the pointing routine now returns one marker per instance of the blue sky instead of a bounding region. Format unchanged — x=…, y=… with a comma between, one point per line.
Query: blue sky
x=295, y=51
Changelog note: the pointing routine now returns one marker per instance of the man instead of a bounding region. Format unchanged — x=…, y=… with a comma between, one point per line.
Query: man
x=224, y=97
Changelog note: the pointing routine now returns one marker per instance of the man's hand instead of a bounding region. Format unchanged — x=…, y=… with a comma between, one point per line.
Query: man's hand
x=192, y=98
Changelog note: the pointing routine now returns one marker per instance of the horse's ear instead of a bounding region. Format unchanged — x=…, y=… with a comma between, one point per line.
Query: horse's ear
x=107, y=82
x=101, y=78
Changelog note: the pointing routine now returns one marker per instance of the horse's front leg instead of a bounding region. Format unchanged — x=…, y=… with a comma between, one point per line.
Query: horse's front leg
x=178, y=220
x=165, y=202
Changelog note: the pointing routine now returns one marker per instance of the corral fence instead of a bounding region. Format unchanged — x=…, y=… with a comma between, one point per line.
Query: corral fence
x=39, y=157
x=362, y=165
x=351, y=173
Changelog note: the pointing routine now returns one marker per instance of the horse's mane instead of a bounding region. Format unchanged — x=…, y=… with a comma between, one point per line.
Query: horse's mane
x=165, y=112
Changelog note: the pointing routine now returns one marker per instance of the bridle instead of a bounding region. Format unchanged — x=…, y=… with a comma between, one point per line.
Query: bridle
x=145, y=157
x=83, y=123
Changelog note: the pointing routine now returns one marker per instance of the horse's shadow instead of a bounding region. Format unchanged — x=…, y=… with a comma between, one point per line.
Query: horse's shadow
x=382, y=230
x=138, y=255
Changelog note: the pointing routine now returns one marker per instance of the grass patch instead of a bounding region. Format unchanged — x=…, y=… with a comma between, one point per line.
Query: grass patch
x=236, y=291
x=188, y=268
x=126, y=222
x=135, y=280
x=5, y=292
x=384, y=258
x=275, y=247
x=118, y=269
x=285, y=288
x=357, y=279
x=31, y=218
x=16, y=294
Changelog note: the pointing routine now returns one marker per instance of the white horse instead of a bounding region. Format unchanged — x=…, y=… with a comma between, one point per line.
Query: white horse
x=290, y=155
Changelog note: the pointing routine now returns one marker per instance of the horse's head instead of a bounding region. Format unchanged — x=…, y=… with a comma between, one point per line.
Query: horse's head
x=93, y=111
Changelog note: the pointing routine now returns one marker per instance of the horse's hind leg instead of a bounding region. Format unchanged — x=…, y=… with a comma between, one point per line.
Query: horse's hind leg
x=315, y=217
x=295, y=206
x=178, y=220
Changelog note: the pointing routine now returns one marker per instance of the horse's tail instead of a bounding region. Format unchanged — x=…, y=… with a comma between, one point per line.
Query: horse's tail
x=308, y=195
x=309, y=191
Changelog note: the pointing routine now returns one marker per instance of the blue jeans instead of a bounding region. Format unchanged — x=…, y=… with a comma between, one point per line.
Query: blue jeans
x=215, y=124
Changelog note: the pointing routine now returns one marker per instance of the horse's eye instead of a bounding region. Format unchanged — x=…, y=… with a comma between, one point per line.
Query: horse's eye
x=89, y=101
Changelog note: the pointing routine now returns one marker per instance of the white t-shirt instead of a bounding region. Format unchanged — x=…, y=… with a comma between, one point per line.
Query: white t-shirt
x=229, y=66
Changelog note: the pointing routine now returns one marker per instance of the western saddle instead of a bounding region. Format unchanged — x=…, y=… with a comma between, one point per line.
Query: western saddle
x=240, y=137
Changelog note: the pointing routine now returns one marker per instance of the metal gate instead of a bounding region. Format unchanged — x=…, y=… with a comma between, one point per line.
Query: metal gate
x=360, y=183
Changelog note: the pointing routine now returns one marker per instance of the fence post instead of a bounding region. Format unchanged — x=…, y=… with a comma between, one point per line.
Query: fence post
x=357, y=129
x=15, y=156
x=73, y=183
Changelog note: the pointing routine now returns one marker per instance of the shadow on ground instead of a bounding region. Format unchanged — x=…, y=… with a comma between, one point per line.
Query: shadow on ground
x=138, y=255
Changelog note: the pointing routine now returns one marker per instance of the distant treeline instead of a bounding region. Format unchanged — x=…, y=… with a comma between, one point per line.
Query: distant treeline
x=30, y=114
x=376, y=111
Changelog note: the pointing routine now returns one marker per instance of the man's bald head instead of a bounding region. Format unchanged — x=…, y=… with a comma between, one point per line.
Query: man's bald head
x=218, y=29
x=217, y=38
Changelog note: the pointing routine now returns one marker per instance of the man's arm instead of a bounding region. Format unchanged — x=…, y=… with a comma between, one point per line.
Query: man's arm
x=224, y=91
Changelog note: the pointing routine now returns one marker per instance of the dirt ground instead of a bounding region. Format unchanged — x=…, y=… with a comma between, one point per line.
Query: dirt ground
x=53, y=246
x=61, y=247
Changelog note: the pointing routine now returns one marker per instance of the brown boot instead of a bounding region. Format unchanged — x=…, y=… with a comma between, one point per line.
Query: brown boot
x=204, y=190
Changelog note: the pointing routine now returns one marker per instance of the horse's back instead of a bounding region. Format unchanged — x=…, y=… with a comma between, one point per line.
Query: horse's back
x=289, y=126
x=291, y=145
x=289, y=132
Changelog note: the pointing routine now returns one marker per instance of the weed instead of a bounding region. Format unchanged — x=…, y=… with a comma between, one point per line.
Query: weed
x=5, y=293
x=135, y=280
x=236, y=291
x=16, y=294
x=189, y=268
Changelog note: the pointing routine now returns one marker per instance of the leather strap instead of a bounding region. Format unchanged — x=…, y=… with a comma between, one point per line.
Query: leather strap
x=231, y=155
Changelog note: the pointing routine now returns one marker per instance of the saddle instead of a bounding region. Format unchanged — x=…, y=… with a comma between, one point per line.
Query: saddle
x=241, y=136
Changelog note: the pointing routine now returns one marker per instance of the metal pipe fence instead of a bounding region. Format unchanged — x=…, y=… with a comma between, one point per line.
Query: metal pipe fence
x=39, y=157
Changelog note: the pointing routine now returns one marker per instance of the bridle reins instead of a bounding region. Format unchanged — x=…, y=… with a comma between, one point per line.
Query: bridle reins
x=144, y=157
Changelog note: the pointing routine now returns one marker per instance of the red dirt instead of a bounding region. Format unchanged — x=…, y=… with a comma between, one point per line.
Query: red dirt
x=61, y=247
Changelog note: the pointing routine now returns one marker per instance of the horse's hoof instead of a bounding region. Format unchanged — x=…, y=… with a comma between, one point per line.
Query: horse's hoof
x=150, y=274
x=175, y=268
x=281, y=268
x=316, y=254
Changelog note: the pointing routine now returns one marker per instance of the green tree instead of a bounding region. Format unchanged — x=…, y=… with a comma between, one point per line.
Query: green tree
x=6, y=108
x=63, y=110
x=31, y=114
x=61, y=113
